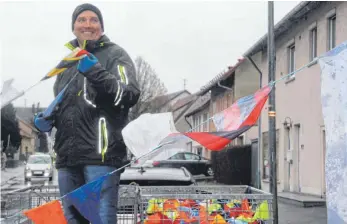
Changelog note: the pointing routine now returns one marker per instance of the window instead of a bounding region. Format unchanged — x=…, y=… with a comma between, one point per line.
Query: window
x=195, y=124
x=266, y=161
x=190, y=156
x=189, y=146
x=291, y=59
x=313, y=43
x=239, y=140
x=205, y=126
x=178, y=156
x=199, y=151
x=332, y=32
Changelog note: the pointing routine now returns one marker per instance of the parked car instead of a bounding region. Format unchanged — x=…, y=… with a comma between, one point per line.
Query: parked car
x=39, y=166
x=194, y=163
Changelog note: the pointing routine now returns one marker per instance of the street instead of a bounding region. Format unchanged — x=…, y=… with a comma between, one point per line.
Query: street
x=288, y=214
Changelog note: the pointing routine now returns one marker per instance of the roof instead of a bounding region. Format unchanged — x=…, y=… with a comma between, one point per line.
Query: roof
x=288, y=21
x=170, y=96
x=26, y=113
x=220, y=77
x=199, y=104
x=182, y=105
x=184, y=101
x=27, y=124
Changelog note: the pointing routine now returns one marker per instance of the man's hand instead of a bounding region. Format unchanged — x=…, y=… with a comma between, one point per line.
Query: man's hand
x=43, y=124
x=86, y=63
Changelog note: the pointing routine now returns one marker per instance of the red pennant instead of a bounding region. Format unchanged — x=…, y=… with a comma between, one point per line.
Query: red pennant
x=50, y=213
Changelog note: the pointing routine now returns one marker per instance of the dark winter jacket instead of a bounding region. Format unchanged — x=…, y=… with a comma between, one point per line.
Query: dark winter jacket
x=95, y=108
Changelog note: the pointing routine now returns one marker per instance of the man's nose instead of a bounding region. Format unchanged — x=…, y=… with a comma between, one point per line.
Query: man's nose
x=87, y=24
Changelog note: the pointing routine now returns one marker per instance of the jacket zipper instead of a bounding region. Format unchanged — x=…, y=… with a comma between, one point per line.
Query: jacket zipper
x=103, y=138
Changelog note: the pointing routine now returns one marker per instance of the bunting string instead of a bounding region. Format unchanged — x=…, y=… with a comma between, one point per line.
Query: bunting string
x=197, y=126
x=80, y=200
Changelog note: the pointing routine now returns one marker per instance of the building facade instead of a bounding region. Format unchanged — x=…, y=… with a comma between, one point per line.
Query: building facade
x=309, y=30
x=29, y=137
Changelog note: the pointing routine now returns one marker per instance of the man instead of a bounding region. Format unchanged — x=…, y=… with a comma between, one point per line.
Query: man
x=92, y=114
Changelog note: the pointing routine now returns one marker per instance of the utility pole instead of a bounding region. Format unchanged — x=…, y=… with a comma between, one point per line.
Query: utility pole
x=272, y=110
x=184, y=84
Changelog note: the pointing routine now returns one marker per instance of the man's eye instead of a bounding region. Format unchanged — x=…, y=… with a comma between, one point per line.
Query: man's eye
x=95, y=20
x=81, y=20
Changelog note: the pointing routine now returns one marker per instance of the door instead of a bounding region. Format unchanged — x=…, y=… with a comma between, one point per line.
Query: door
x=255, y=175
x=287, y=161
x=175, y=161
x=297, y=158
x=192, y=161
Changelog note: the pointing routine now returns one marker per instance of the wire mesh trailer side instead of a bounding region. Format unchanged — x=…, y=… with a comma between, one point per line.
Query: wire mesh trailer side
x=171, y=204
x=206, y=204
x=14, y=203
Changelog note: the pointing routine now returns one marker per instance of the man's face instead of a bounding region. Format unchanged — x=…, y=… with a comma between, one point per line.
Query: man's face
x=87, y=26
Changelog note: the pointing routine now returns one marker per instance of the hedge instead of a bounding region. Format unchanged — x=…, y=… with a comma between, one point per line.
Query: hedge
x=232, y=165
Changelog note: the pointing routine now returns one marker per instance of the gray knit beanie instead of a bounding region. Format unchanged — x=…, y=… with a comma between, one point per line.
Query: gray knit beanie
x=85, y=7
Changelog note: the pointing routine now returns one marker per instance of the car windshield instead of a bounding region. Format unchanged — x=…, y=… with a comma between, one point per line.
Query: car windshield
x=39, y=160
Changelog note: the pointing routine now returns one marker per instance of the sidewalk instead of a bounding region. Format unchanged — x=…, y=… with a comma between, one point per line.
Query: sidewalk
x=11, y=173
x=292, y=214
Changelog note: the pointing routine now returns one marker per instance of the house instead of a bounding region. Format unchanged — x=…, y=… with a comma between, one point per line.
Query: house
x=165, y=102
x=198, y=117
x=179, y=109
x=29, y=137
x=309, y=30
x=222, y=94
x=25, y=117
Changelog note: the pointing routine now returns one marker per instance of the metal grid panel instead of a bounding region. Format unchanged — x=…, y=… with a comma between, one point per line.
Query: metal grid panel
x=206, y=204
x=14, y=203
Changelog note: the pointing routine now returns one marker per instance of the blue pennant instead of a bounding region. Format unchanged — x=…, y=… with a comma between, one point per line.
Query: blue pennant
x=86, y=199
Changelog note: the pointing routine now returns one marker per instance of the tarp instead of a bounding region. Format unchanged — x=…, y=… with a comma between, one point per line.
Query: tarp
x=145, y=133
x=334, y=106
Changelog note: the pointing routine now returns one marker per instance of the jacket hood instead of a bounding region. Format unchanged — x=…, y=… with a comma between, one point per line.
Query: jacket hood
x=90, y=45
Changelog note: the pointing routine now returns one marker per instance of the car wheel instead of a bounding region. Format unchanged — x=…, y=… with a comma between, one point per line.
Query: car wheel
x=209, y=171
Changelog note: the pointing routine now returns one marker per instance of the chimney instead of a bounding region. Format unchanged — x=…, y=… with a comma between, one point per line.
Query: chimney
x=33, y=108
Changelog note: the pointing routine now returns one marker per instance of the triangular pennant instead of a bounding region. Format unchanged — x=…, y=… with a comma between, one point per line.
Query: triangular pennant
x=86, y=200
x=50, y=213
x=9, y=93
x=67, y=62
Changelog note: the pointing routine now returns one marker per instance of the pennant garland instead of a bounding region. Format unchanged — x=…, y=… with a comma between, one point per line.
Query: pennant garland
x=69, y=61
x=230, y=123
x=9, y=93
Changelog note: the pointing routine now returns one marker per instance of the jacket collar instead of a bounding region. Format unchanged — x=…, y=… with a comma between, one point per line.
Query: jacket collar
x=90, y=45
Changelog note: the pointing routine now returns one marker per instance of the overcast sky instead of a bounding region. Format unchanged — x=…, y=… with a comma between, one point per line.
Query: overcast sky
x=181, y=40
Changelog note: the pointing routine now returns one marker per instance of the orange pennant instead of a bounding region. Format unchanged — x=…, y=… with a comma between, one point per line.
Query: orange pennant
x=50, y=213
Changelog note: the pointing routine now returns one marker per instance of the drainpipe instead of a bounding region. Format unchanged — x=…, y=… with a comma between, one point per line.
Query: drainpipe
x=259, y=124
x=185, y=118
x=225, y=87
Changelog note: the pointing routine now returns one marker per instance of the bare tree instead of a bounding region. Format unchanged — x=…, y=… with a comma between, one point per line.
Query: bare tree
x=151, y=87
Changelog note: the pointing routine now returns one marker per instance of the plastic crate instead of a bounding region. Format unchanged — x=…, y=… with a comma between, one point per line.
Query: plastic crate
x=206, y=204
